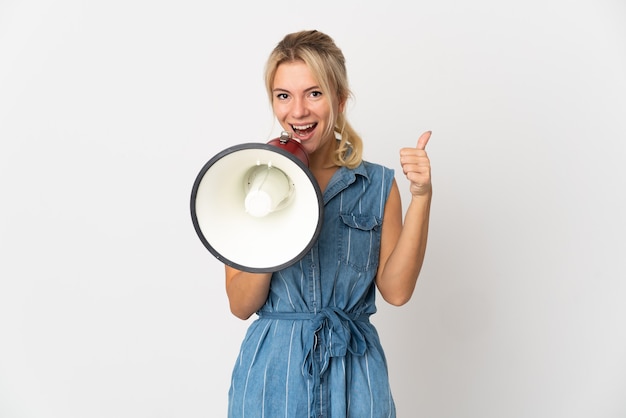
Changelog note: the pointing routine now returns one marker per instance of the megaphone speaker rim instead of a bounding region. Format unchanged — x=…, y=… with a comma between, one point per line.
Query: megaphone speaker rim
x=230, y=260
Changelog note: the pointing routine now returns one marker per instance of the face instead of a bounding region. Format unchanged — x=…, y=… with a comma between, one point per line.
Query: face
x=301, y=107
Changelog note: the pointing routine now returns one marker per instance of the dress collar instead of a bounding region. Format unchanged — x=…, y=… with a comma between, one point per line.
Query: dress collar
x=343, y=178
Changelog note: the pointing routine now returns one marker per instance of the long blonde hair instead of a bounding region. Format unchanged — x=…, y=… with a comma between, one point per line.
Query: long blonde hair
x=328, y=65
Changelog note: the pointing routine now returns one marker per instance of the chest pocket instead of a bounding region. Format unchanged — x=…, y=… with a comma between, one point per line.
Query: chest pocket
x=360, y=240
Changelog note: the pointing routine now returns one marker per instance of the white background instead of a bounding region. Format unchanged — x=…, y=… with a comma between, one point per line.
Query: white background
x=111, y=307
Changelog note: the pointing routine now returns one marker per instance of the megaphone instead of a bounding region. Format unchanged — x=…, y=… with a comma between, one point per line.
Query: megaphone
x=256, y=206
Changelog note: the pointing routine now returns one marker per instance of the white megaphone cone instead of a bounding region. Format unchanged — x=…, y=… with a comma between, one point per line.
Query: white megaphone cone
x=267, y=190
x=257, y=207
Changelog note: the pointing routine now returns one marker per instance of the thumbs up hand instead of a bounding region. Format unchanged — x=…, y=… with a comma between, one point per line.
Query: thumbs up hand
x=416, y=166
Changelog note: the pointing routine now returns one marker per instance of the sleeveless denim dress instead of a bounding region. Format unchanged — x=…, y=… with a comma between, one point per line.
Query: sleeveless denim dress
x=312, y=351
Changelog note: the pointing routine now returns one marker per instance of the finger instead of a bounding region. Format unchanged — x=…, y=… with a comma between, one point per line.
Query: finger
x=423, y=140
x=419, y=168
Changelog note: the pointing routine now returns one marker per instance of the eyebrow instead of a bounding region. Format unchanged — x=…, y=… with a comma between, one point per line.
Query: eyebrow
x=278, y=89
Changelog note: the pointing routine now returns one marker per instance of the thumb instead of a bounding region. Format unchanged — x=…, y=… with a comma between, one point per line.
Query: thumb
x=423, y=140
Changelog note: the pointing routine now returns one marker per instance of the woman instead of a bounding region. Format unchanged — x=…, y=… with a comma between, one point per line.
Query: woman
x=313, y=351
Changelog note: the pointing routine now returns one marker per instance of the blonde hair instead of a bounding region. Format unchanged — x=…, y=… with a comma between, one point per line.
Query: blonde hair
x=328, y=65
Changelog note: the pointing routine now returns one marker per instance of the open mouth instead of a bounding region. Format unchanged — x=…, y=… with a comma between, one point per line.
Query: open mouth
x=303, y=130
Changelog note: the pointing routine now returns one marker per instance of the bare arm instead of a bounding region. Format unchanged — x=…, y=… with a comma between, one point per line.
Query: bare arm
x=403, y=247
x=247, y=292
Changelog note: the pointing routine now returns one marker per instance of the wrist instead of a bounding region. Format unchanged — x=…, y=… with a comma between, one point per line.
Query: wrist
x=422, y=197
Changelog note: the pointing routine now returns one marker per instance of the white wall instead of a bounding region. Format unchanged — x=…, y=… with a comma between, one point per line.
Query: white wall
x=111, y=307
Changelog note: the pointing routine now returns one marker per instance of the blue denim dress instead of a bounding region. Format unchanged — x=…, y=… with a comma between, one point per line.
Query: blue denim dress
x=313, y=352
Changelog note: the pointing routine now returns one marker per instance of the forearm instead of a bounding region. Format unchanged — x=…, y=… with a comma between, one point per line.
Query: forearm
x=397, y=280
x=247, y=292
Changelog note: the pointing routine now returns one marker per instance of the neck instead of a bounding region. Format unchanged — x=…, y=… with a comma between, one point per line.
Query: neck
x=323, y=158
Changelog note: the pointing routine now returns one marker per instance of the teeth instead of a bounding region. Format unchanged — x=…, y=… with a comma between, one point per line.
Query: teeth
x=303, y=127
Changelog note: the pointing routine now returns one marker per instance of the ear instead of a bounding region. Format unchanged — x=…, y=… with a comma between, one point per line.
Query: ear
x=342, y=104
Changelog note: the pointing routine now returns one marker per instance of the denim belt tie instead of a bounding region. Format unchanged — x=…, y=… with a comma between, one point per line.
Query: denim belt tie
x=334, y=331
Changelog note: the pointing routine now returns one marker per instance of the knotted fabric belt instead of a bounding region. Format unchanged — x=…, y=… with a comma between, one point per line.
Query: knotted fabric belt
x=334, y=331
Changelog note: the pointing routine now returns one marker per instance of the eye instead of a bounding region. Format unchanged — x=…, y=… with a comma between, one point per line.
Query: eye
x=316, y=93
x=282, y=96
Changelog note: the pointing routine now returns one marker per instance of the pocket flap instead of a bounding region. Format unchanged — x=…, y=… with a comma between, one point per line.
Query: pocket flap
x=364, y=222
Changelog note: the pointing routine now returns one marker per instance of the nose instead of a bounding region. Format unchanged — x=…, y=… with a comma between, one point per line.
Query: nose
x=299, y=108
